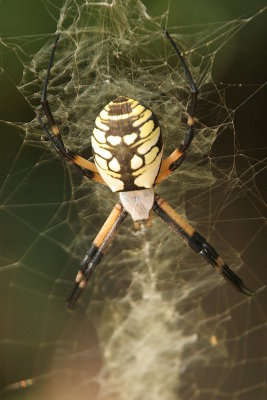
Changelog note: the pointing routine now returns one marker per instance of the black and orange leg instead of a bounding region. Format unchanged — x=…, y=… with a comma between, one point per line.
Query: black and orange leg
x=96, y=251
x=198, y=243
x=172, y=162
x=84, y=166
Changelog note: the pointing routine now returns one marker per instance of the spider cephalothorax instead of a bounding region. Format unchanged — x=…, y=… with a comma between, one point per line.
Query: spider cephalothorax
x=127, y=154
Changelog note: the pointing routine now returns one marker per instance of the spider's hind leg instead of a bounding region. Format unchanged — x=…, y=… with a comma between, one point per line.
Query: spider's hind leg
x=96, y=251
x=198, y=243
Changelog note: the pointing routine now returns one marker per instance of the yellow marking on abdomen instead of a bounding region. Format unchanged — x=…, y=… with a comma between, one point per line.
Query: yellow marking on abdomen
x=129, y=139
x=146, y=115
x=100, y=124
x=150, y=157
x=149, y=166
x=106, y=117
x=99, y=135
x=114, y=140
x=136, y=162
x=133, y=102
x=147, y=128
x=148, y=173
x=113, y=182
x=137, y=110
x=100, y=150
x=101, y=162
x=150, y=142
x=114, y=165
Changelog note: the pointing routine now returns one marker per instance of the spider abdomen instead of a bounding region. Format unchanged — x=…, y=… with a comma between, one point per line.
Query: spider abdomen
x=127, y=145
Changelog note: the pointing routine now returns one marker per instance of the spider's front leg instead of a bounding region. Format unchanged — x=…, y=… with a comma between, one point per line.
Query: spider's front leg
x=55, y=137
x=96, y=251
x=176, y=158
x=82, y=165
x=198, y=243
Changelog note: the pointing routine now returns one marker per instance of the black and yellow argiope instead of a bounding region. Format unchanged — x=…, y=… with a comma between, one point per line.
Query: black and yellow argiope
x=127, y=156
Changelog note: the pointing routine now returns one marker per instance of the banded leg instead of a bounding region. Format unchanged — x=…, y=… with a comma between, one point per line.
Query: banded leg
x=84, y=166
x=176, y=158
x=96, y=251
x=198, y=244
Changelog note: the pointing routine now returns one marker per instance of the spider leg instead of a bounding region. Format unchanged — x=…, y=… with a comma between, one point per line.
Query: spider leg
x=84, y=166
x=198, y=243
x=44, y=100
x=96, y=251
x=176, y=158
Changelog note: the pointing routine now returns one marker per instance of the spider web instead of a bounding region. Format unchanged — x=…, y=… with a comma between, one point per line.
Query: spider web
x=155, y=322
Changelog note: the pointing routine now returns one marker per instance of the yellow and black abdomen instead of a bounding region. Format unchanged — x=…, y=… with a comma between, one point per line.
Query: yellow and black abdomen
x=127, y=145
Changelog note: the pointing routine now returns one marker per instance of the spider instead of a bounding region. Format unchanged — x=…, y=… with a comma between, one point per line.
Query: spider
x=127, y=156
